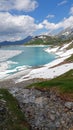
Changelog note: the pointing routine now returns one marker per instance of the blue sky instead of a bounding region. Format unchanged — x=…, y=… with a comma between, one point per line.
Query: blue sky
x=21, y=18
x=50, y=7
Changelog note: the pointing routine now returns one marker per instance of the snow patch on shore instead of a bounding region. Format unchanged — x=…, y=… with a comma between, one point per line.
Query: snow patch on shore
x=6, y=54
x=5, y=65
x=16, y=72
x=61, y=51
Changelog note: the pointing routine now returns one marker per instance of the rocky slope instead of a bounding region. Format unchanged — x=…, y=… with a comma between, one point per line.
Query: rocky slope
x=11, y=117
x=44, y=110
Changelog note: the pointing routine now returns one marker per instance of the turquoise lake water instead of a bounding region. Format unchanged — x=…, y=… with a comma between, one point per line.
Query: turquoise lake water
x=29, y=56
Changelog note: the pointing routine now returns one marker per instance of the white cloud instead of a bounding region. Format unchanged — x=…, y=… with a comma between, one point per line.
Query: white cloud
x=13, y=27
x=50, y=16
x=25, y=5
x=16, y=27
x=71, y=10
x=62, y=3
x=67, y=22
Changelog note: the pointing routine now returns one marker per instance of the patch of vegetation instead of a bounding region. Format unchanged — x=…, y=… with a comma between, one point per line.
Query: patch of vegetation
x=15, y=119
x=37, y=41
x=47, y=41
x=64, y=83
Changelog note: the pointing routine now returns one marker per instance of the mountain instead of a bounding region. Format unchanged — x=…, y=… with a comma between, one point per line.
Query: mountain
x=67, y=33
x=62, y=37
x=44, y=40
x=21, y=42
x=49, y=40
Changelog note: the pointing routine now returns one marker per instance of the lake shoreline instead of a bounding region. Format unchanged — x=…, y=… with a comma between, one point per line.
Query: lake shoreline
x=10, y=63
x=47, y=71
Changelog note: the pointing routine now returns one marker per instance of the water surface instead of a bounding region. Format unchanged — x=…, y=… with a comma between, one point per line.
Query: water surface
x=29, y=56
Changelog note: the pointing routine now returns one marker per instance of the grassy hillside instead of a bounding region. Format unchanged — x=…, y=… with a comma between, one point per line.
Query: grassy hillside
x=48, y=40
x=64, y=84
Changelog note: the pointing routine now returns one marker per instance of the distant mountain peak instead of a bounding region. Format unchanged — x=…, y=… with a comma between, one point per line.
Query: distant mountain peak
x=21, y=42
x=66, y=33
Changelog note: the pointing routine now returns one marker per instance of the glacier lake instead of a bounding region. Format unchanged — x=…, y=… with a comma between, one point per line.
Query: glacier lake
x=29, y=57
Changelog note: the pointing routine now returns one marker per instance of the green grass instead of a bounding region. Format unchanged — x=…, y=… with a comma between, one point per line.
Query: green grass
x=47, y=41
x=35, y=42
x=15, y=118
x=64, y=83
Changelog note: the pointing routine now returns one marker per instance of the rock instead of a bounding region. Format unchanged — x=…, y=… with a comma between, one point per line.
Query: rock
x=39, y=100
x=62, y=122
x=3, y=101
x=1, y=95
x=69, y=105
x=52, y=117
x=57, y=124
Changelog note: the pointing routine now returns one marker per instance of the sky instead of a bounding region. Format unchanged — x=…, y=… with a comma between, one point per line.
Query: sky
x=22, y=18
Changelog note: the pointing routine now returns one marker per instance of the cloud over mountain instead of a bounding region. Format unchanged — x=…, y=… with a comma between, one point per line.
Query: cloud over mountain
x=65, y=23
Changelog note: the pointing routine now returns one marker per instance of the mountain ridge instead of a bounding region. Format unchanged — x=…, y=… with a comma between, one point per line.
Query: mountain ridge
x=65, y=35
x=20, y=42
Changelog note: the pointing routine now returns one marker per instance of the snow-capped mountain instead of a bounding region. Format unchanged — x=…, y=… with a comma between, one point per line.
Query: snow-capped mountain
x=67, y=33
